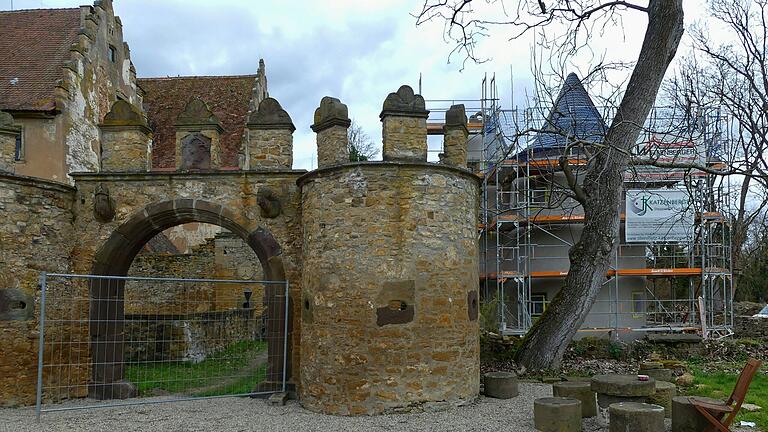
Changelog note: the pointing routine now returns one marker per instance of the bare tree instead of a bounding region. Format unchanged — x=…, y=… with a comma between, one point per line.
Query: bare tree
x=361, y=146
x=734, y=76
x=599, y=194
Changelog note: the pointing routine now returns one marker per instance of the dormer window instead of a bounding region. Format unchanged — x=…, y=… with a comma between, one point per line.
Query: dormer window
x=112, y=54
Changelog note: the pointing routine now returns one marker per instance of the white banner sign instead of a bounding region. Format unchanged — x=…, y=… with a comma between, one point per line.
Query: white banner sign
x=653, y=215
x=667, y=149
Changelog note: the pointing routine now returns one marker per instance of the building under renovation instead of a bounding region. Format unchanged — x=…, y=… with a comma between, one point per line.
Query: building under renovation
x=671, y=271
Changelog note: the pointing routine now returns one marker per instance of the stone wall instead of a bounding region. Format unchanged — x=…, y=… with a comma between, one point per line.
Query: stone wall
x=744, y=326
x=156, y=297
x=35, y=235
x=188, y=337
x=188, y=321
x=389, y=301
x=225, y=256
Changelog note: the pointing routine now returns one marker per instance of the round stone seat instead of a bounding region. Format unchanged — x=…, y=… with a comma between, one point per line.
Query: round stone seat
x=615, y=388
x=557, y=414
x=665, y=391
x=580, y=390
x=659, y=374
x=685, y=417
x=651, y=365
x=636, y=417
x=500, y=385
x=621, y=388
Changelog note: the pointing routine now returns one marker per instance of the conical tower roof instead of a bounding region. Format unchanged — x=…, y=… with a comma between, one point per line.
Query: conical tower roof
x=573, y=115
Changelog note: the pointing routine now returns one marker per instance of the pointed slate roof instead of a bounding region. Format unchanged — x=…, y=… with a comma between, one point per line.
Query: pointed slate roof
x=573, y=115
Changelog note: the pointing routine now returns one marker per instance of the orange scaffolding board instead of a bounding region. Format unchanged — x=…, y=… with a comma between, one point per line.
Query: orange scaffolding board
x=647, y=272
x=543, y=219
x=437, y=128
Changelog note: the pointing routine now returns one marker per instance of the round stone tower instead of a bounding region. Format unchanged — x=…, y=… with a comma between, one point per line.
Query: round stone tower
x=389, y=304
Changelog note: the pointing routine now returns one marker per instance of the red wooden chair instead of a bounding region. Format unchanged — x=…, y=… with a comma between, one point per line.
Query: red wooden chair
x=720, y=416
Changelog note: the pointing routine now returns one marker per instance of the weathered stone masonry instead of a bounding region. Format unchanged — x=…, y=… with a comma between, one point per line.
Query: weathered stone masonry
x=389, y=278
x=381, y=257
x=35, y=235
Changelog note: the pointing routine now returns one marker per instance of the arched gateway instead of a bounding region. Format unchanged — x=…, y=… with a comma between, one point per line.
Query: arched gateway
x=114, y=258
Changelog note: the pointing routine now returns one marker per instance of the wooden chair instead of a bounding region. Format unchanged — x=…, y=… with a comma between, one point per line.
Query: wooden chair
x=720, y=416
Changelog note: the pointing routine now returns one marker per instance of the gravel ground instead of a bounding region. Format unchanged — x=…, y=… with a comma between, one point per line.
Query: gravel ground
x=244, y=414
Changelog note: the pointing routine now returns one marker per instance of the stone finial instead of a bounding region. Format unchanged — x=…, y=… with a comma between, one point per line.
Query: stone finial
x=456, y=116
x=404, y=103
x=197, y=115
x=5, y=119
x=331, y=112
x=331, y=123
x=124, y=114
x=125, y=139
x=455, y=134
x=270, y=115
x=404, y=126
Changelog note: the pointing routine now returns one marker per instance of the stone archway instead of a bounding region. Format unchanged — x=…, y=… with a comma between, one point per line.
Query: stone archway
x=114, y=258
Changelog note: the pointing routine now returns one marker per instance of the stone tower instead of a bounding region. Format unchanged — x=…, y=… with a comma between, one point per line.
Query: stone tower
x=390, y=268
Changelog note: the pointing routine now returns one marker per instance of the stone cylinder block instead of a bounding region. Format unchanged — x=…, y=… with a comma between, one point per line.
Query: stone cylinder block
x=580, y=390
x=500, y=385
x=388, y=320
x=636, y=417
x=404, y=126
x=659, y=374
x=665, y=391
x=331, y=123
x=455, y=136
x=685, y=417
x=557, y=414
x=623, y=386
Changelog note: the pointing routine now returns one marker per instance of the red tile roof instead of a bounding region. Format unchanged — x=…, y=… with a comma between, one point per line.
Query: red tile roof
x=227, y=97
x=34, y=44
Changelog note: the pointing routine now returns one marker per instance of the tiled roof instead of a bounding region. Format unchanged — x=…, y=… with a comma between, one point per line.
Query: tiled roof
x=33, y=47
x=573, y=115
x=227, y=97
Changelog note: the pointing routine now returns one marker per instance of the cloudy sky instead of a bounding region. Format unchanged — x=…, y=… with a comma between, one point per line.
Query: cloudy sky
x=357, y=51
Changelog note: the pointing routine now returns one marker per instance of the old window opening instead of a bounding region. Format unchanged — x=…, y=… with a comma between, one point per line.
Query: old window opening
x=538, y=304
x=112, y=54
x=18, y=154
x=638, y=304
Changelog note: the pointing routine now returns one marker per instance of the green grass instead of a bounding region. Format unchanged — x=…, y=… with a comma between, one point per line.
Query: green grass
x=228, y=371
x=720, y=384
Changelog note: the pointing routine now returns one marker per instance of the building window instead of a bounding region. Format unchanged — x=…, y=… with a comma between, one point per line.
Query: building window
x=18, y=154
x=638, y=304
x=112, y=54
x=538, y=304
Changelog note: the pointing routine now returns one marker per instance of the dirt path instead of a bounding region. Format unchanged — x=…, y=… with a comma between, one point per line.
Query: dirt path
x=254, y=364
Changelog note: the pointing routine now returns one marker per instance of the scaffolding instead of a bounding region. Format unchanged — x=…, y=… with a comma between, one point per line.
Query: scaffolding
x=529, y=222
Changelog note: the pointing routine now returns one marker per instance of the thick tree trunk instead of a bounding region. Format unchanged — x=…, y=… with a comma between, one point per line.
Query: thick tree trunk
x=590, y=258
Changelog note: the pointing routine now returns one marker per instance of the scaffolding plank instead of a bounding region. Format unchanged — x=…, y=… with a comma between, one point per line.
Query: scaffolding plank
x=647, y=272
x=436, y=128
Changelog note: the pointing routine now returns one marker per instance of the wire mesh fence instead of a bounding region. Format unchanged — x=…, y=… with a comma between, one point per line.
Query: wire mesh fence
x=108, y=340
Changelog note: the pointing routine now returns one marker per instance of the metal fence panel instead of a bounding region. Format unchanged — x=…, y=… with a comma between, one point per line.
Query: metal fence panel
x=109, y=340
